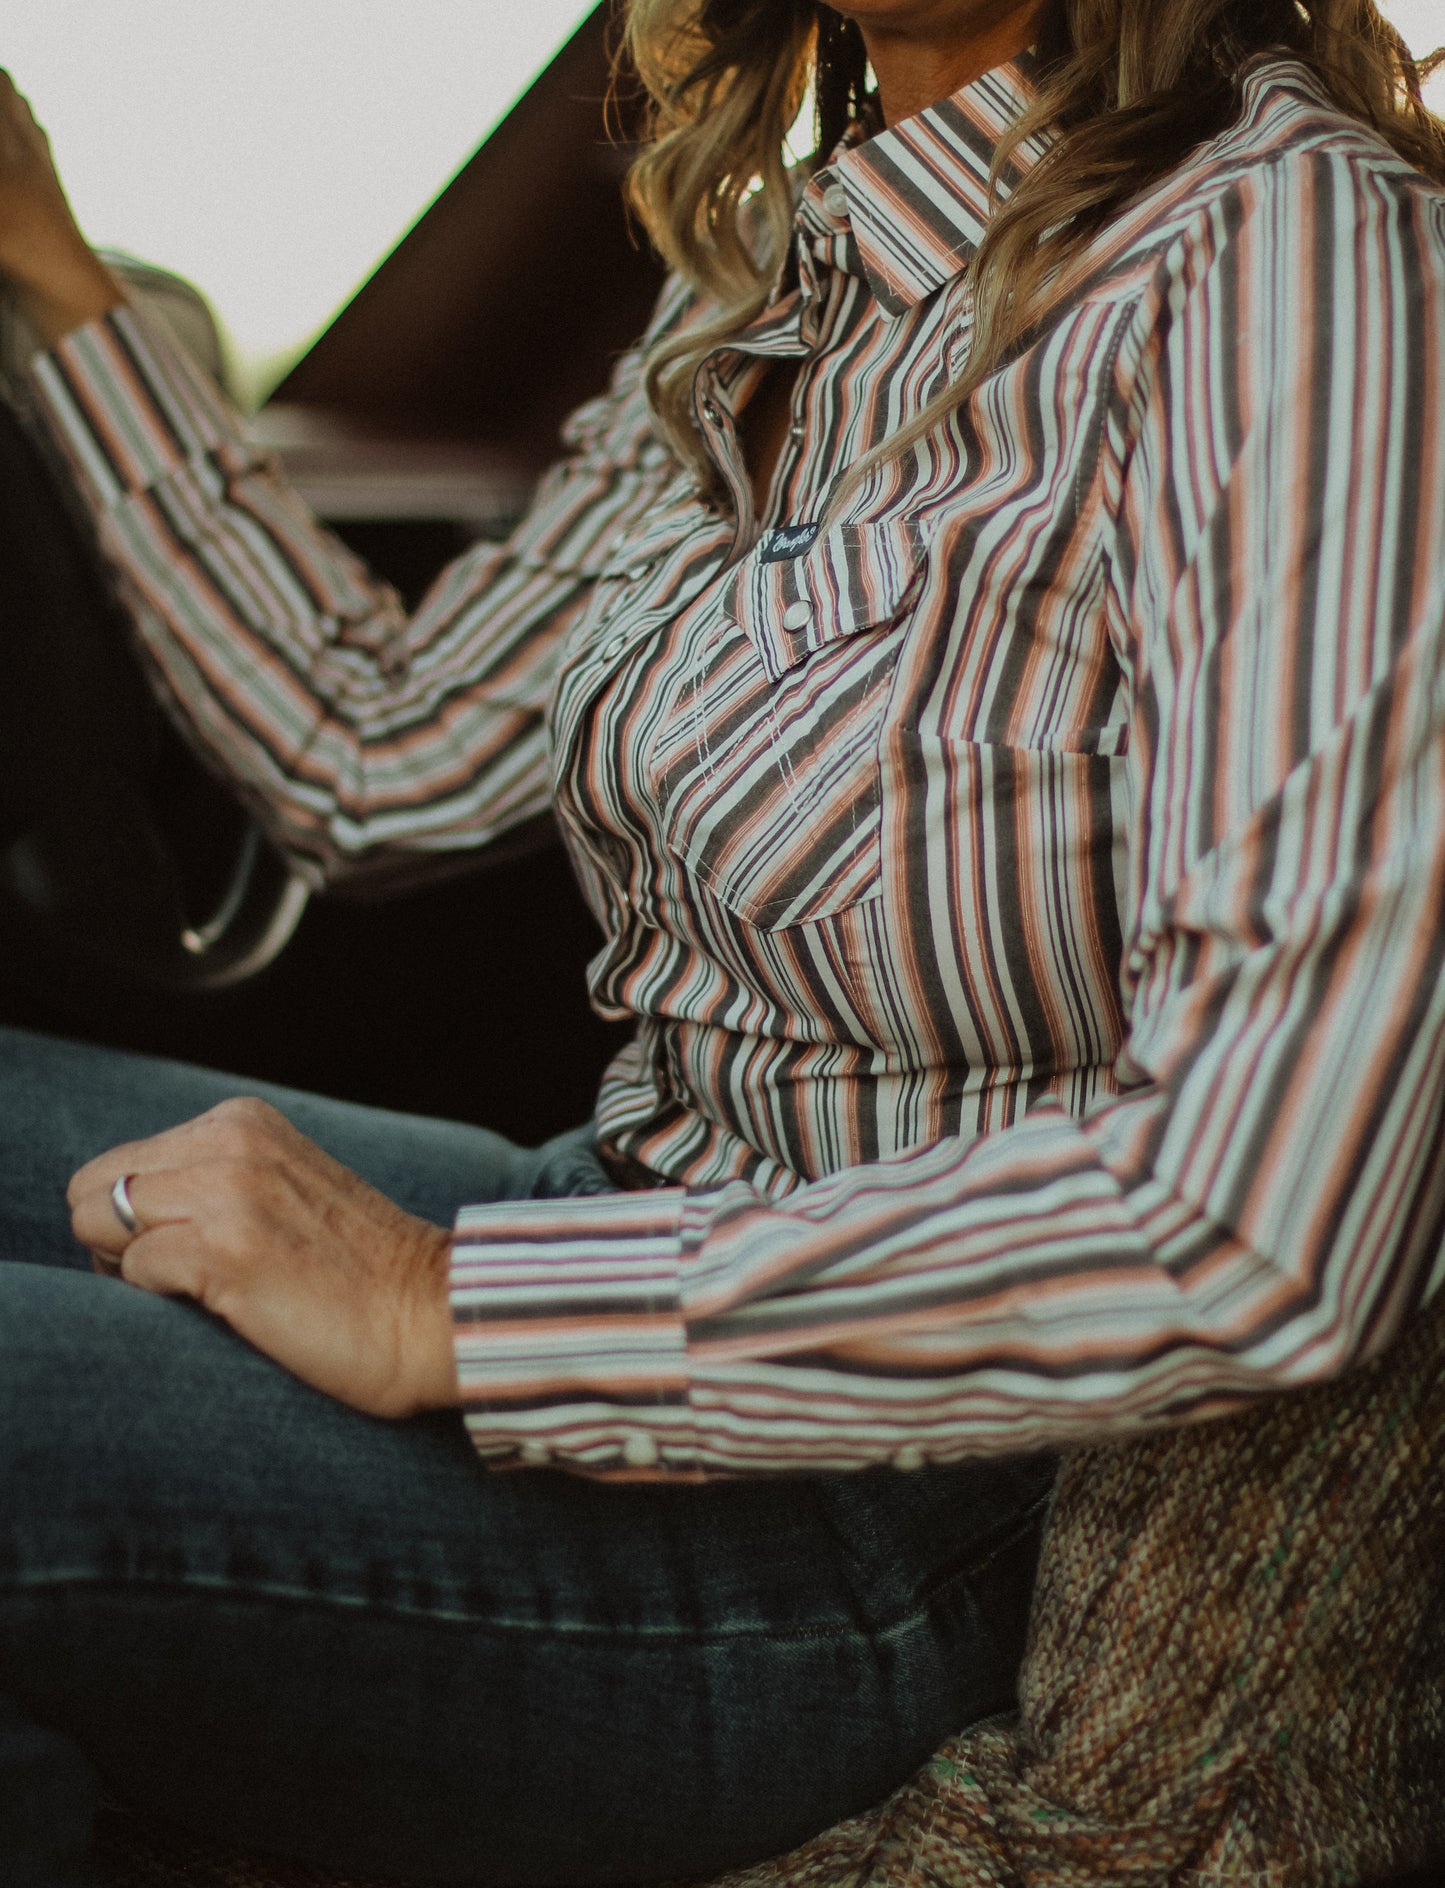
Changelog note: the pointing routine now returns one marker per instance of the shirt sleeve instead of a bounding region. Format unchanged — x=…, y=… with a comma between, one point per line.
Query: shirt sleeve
x=1263, y=1205
x=360, y=737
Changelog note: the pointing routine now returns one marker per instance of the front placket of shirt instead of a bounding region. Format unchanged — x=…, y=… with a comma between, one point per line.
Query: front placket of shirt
x=607, y=641
x=608, y=633
x=793, y=327
x=721, y=387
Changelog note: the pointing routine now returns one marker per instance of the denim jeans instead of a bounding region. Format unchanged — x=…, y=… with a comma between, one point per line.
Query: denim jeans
x=244, y=1607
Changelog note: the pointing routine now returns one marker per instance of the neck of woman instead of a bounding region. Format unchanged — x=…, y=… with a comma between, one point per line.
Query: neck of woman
x=918, y=64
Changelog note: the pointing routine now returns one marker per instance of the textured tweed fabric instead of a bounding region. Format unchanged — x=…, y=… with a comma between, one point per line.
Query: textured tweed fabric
x=1236, y=1671
x=1236, y=1674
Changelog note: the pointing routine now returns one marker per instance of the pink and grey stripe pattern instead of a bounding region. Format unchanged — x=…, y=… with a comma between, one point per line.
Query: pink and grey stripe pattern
x=1028, y=887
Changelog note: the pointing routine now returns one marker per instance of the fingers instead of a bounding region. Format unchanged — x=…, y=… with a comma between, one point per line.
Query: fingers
x=186, y=1235
x=168, y=1259
x=245, y=1127
x=157, y=1197
x=93, y=1216
x=100, y=1175
x=218, y=1170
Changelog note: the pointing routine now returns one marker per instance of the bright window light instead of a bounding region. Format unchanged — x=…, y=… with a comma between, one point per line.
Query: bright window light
x=1421, y=24
x=272, y=151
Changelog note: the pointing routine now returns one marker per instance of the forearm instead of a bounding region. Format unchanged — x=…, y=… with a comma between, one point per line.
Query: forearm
x=341, y=715
x=69, y=292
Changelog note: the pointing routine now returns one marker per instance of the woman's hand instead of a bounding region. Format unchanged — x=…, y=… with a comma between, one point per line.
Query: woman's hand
x=60, y=280
x=241, y=1212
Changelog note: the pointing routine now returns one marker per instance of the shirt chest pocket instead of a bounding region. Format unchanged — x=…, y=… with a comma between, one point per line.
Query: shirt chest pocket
x=765, y=766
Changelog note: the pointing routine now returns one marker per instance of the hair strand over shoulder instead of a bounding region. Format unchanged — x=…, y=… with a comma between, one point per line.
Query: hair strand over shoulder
x=1128, y=88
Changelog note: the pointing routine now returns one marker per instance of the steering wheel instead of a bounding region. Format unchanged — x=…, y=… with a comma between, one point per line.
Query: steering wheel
x=122, y=856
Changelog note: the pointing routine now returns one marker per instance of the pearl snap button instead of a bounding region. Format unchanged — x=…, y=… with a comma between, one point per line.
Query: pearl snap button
x=640, y=1452
x=835, y=200
x=909, y=1457
x=535, y=1454
x=795, y=431
x=797, y=616
x=615, y=648
x=711, y=414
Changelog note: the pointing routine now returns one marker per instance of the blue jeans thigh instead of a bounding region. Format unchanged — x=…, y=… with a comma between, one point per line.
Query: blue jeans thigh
x=322, y=1636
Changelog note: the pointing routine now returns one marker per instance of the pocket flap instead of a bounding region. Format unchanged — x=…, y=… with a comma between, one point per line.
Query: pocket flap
x=853, y=577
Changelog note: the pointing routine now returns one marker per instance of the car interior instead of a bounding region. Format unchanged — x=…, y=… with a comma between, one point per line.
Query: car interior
x=140, y=906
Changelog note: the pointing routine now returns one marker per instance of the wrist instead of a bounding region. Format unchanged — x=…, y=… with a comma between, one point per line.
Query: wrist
x=431, y=1352
x=75, y=291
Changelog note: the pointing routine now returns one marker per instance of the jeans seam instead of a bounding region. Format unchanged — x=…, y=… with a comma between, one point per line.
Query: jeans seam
x=1022, y=1524
x=307, y=1597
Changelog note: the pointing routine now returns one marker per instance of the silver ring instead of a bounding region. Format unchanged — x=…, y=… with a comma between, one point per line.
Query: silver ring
x=120, y=1200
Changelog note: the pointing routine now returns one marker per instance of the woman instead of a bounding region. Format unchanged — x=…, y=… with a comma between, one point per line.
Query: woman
x=983, y=654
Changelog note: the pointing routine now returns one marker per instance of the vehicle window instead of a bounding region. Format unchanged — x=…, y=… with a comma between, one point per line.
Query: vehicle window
x=272, y=153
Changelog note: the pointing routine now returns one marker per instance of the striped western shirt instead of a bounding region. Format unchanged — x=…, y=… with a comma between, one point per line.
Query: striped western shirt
x=1028, y=887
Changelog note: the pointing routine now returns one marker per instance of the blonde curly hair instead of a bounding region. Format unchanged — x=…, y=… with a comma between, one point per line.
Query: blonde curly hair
x=1128, y=86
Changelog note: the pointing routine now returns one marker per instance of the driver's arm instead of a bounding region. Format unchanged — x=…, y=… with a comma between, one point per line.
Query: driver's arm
x=361, y=736
x=363, y=739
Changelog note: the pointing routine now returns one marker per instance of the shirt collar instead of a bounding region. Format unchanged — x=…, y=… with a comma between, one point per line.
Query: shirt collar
x=918, y=194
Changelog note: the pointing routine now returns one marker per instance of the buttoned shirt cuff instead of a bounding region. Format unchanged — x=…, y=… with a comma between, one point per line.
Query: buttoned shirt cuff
x=570, y=1342
x=128, y=408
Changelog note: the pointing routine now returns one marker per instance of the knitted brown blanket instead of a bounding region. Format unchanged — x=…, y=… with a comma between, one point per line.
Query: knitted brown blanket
x=1236, y=1674
x=1236, y=1668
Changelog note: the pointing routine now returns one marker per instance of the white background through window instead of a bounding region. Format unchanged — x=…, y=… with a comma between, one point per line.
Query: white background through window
x=270, y=150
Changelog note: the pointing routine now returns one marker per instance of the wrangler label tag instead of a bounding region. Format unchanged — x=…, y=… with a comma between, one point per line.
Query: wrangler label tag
x=789, y=540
